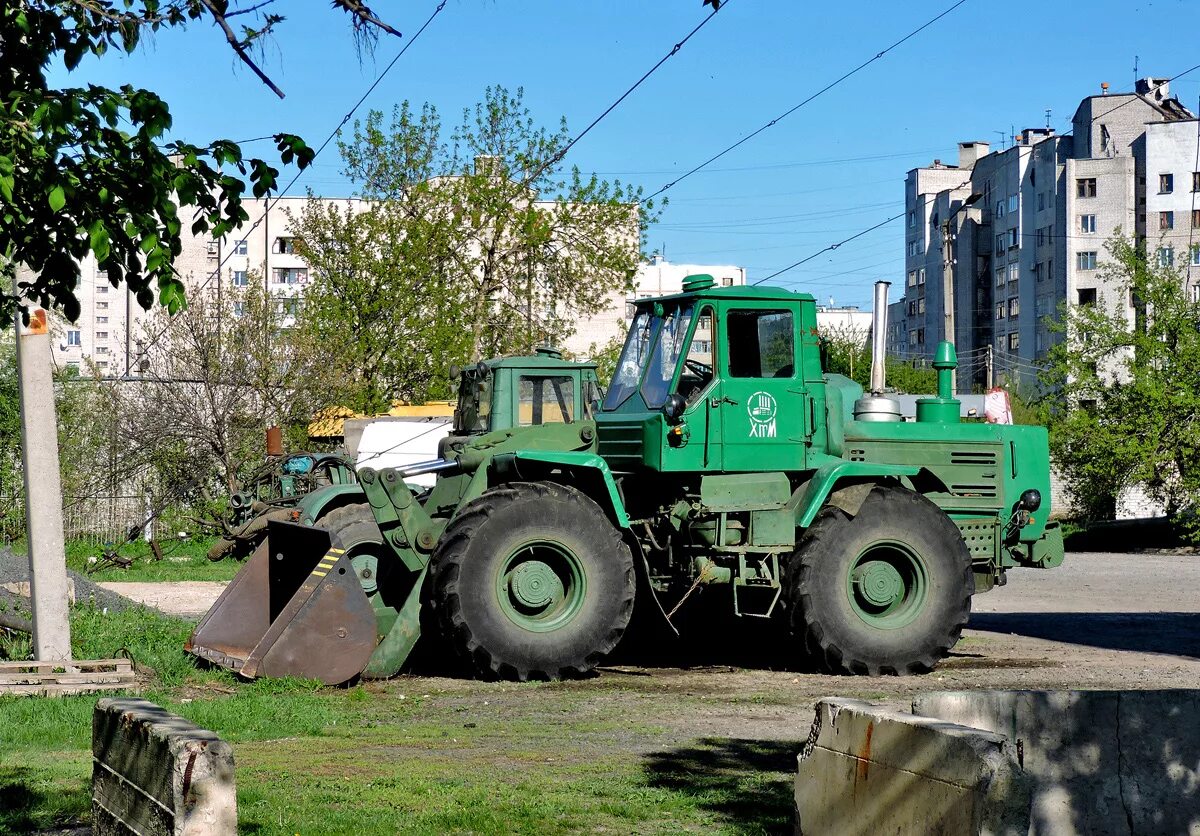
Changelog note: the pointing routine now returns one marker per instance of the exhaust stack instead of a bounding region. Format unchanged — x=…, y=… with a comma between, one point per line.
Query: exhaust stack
x=879, y=338
x=874, y=405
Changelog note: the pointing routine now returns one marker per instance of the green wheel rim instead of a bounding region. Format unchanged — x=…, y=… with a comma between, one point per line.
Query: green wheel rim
x=887, y=585
x=541, y=586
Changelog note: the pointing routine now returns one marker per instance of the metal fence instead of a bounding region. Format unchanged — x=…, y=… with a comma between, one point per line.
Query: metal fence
x=94, y=520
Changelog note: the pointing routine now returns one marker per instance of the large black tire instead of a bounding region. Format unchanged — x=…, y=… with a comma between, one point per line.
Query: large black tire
x=354, y=525
x=532, y=581
x=845, y=609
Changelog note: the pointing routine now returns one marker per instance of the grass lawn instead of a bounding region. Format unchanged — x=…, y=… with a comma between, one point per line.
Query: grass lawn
x=617, y=753
x=183, y=560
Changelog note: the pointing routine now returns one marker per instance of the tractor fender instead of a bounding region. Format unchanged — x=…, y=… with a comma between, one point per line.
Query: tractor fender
x=829, y=485
x=313, y=506
x=587, y=472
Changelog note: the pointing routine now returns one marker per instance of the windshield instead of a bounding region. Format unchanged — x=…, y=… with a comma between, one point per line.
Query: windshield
x=665, y=356
x=474, y=403
x=633, y=360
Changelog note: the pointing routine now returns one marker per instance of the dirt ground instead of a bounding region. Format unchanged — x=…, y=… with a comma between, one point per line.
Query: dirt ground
x=1098, y=621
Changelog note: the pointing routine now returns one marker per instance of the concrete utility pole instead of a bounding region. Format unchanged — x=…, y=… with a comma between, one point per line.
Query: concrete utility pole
x=991, y=374
x=43, y=491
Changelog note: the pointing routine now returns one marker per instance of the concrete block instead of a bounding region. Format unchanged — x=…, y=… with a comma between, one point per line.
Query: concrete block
x=22, y=588
x=1103, y=762
x=154, y=773
x=868, y=770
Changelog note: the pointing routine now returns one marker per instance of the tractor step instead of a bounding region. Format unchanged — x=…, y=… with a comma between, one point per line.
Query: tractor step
x=296, y=609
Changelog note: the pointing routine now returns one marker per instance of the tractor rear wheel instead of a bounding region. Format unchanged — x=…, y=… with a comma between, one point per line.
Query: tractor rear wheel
x=887, y=591
x=532, y=581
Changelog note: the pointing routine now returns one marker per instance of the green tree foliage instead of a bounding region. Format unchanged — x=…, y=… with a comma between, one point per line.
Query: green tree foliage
x=470, y=243
x=1124, y=396
x=848, y=352
x=85, y=169
x=226, y=372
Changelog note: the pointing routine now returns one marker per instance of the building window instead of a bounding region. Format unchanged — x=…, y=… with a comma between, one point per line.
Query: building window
x=912, y=278
x=289, y=275
x=1014, y=272
x=102, y=349
x=912, y=337
x=1000, y=277
x=912, y=219
x=921, y=276
x=999, y=244
x=1014, y=308
x=1196, y=254
x=240, y=279
x=1042, y=306
x=285, y=245
x=102, y=335
x=1037, y=271
x=999, y=208
x=1196, y=217
x=1087, y=224
x=1166, y=183
x=102, y=320
x=73, y=338
x=240, y=247
x=1087, y=296
x=912, y=308
x=1085, y=187
x=1166, y=220
x=102, y=306
x=103, y=288
x=921, y=305
x=1014, y=341
x=920, y=336
x=1013, y=238
x=1041, y=201
x=1000, y=311
x=1085, y=260
x=726, y=281
x=1014, y=202
x=1166, y=256
x=1040, y=239
x=1196, y=293
x=239, y=308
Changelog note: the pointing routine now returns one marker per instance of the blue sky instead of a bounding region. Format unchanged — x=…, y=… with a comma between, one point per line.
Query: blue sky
x=831, y=169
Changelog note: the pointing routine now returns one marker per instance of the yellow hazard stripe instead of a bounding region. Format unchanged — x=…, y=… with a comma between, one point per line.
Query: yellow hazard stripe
x=334, y=550
x=319, y=573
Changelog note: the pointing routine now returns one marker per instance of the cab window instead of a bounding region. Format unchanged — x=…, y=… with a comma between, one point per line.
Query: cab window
x=761, y=344
x=545, y=400
x=697, y=371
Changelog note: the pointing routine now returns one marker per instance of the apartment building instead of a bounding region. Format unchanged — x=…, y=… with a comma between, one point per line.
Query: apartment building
x=111, y=332
x=1017, y=232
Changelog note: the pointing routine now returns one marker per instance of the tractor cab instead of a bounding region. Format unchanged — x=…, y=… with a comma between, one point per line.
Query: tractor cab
x=715, y=379
x=527, y=391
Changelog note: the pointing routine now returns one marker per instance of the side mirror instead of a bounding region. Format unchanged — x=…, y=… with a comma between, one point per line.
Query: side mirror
x=673, y=408
x=455, y=371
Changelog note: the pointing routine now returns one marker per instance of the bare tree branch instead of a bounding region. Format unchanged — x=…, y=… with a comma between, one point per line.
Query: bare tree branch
x=363, y=16
x=238, y=46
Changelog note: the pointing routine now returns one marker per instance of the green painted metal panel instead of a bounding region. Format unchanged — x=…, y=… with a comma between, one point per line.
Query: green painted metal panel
x=315, y=505
x=745, y=491
x=581, y=462
x=809, y=498
x=773, y=528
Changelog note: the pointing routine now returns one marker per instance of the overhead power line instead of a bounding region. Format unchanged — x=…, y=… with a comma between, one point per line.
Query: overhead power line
x=829, y=248
x=814, y=96
x=349, y=114
x=557, y=158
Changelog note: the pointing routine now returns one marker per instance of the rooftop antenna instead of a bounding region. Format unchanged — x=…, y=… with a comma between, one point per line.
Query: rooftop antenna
x=1047, y=118
x=1135, y=70
x=1003, y=136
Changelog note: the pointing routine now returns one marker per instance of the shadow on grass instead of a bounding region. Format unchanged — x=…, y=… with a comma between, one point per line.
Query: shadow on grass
x=26, y=808
x=747, y=783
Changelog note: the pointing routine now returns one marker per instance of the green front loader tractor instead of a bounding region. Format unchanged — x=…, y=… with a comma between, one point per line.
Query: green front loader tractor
x=721, y=455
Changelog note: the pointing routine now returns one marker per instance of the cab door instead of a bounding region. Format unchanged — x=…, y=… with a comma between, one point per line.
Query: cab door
x=764, y=404
x=700, y=447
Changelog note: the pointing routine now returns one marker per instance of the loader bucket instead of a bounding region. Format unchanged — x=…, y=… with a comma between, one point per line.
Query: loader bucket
x=296, y=609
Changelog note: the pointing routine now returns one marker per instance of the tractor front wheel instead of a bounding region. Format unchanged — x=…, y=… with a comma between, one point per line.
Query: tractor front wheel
x=887, y=591
x=532, y=581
